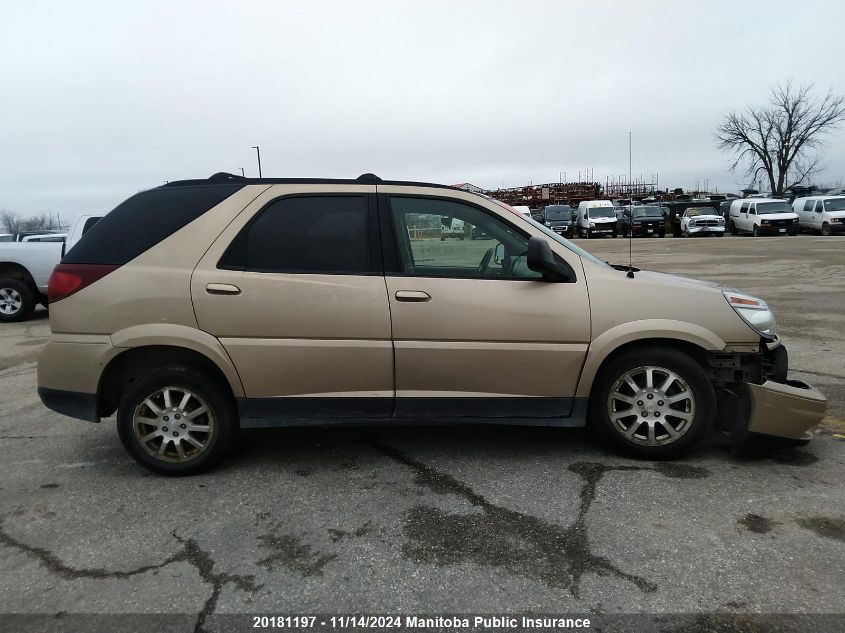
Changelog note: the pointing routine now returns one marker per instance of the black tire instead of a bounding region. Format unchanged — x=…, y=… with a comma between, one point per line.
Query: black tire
x=216, y=397
x=826, y=229
x=734, y=230
x=589, y=234
x=755, y=231
x=685, y=367
x=17, y=300
x=662, y=234
x=615, y=233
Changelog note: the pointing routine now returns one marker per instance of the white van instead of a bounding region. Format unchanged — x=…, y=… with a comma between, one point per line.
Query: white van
x=762, y=216
x=596, y=217
x=821, y=213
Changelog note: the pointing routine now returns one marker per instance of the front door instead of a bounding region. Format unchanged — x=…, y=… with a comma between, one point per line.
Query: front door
x=295, y=292
x=476, y=332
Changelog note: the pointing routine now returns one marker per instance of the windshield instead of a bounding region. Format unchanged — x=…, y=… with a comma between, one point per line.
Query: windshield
x=559, y=213
x=639, y=212
x=565, y=242
x=602, y=212
x=835, y=205
x=768, y=208
x=696, y=211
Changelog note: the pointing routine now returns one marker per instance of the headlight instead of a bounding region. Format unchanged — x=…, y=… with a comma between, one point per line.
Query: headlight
x=755, y=312
x=592, y=225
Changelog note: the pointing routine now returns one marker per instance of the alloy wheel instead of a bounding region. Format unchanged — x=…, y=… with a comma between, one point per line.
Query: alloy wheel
x=651, y=406
x=173, y=425
x=10, y=301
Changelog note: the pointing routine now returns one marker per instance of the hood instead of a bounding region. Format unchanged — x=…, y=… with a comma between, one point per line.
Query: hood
x=709, y=216
x=836, y=214
x=648, y=218
x=677, y=280
x=777, y=216
x=557, y=222
x=601, y=220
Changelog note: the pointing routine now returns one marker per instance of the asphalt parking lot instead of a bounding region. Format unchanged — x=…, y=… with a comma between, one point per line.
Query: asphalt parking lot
x=447, y=519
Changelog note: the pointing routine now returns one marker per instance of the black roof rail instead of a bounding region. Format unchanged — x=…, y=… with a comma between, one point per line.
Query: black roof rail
x=225, y=178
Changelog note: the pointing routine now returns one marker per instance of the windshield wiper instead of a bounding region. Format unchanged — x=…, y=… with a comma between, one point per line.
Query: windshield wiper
x=621, y=267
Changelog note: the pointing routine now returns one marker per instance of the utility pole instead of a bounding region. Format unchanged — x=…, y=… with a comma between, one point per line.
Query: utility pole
x=258, y=153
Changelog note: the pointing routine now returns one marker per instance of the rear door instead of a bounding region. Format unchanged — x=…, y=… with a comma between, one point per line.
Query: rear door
x=476, y=333
x=294, y=290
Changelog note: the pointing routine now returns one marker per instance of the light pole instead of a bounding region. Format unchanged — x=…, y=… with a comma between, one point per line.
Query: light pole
x=258, y=153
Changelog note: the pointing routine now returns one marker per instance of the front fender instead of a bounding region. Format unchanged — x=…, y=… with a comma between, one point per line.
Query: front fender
x=641, y=331
x=173, y=335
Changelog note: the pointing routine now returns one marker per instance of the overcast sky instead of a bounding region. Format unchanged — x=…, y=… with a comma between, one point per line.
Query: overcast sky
x=102, y=99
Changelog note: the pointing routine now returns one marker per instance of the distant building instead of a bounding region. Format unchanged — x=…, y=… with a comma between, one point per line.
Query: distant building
x=468, y=186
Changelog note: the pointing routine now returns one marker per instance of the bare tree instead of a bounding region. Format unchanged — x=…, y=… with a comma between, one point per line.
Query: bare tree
x=782, y=139
x=9, y=221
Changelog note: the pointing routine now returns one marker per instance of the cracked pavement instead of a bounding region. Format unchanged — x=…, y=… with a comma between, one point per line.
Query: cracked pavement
x=442, y=519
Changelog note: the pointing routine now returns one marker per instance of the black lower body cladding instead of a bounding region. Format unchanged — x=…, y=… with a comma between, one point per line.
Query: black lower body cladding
x=74, y=404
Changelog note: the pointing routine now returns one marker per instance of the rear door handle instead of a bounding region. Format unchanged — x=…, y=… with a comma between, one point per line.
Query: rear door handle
x=222, y=289
x=413, y=296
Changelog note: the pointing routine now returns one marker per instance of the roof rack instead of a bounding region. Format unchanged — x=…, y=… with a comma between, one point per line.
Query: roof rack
x=225, y=178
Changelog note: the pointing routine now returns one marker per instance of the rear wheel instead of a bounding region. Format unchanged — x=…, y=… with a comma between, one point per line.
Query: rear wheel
x=17, y=301
x=176, y=420
x=653, y=403
x=826, y=229
x=733, y=229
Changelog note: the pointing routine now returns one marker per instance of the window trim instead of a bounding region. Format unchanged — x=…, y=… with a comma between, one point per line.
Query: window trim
x=375, y=261
x=393, y=263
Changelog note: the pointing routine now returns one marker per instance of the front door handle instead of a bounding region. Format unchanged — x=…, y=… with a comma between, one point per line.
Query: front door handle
x=413, y=296
x=222, y=289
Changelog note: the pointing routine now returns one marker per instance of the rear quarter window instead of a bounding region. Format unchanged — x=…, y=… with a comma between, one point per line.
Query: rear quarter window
x=144, y=220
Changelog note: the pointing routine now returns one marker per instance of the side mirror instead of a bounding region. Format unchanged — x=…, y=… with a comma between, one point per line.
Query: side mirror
x=541, y=259
x=818, y=209
x=499, y=253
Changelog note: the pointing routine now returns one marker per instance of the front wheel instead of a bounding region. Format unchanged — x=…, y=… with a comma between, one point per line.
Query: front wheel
x=176, y=420
x=653, y=403
x=826, y=229
x=755, y=231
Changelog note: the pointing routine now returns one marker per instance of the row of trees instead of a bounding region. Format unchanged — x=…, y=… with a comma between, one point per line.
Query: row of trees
x=11, y=222
x=782, y=140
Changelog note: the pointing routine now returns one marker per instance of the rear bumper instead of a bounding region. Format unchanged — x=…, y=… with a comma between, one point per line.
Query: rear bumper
x=787, y=409
x=74, y=404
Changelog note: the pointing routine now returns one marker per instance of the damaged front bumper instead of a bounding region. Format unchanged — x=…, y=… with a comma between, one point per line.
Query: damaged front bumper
x=789, y=409
x=756, y=397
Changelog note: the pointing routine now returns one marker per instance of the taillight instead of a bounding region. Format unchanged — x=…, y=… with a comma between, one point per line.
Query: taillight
x=70, y=278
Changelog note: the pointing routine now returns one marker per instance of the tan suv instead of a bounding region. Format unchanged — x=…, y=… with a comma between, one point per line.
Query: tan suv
x=205, y=306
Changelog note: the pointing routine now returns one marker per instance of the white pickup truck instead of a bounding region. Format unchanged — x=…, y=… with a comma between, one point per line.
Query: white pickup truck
x=25, y=269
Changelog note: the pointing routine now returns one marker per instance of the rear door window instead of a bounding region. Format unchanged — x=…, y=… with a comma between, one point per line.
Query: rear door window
x=309, y=234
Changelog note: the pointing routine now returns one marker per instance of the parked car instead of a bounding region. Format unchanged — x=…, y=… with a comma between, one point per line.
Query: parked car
x=596, y=217
x=7, y=237
x=523, y=210
x=825, y=214
x=702, y=221
x=453, y=228
x=839, y=191
x=25, y=268
x=559, y=218
x=642, y=221
x=271, y=302
x=762, y=216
